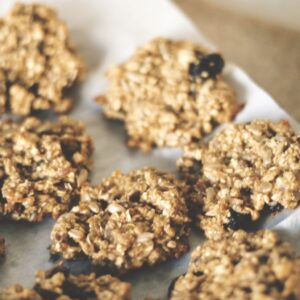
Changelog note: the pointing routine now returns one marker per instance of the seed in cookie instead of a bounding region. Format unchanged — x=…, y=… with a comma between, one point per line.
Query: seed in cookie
x=38, y=63
x=42, y=167
x=2, y=246
x=126, y=222
x=169, y=93
x=245, y=170
x=59, y=283
x=242, y=266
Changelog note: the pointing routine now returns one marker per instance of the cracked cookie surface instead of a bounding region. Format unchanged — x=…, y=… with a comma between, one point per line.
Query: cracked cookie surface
x=243, y=266
x=42, y=167
x=126, y=222
x=58, y=284
x=243, y=172
x=38, y=63
x=169, y=93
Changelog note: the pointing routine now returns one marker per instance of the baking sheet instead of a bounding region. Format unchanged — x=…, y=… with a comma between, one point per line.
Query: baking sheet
x=106, y=32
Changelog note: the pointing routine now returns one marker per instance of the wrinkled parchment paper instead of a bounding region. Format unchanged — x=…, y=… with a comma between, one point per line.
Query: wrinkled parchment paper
x=106, y=32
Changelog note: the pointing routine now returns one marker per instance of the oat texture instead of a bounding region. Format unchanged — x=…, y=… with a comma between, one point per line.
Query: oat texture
x=125, y=222
x=59, y=284
x=42, y=167
x=2, y=246
x=169, y=93
x=38, y=63
x=245, y=266
x=245, y=171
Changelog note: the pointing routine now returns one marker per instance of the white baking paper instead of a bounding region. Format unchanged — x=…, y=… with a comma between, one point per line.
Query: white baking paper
x=106, y=32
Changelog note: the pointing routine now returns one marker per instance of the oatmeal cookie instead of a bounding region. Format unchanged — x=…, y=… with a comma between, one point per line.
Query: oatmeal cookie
x=169, y=93
x=38, y=63
x=242, y=266
x=125, y=222
x=2, y=246
x=245, y=171
x=42, y=167
x=59, y=283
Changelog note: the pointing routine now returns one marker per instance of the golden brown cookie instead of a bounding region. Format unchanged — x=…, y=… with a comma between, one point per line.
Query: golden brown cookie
x=126, y=222
x=243, y=266
x=243, y=172
x=169, y=93
x=38, y=63
x=42, y=167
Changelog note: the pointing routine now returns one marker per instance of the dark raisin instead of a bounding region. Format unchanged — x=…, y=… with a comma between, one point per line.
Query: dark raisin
x=117, y=196
x=275, y=208
x=60, y=185
x=38, y=18
x=72, y=243
x=285, y=147
x=34, y=88
x=270, y=132
x=263, y=259
x=25, y=171
x=214, y=123
x=75, y=292
x=192, y=94
x=208, y=67
x=58, y=269
x=103, y=204
x=196, y=167
x=198, y=273
x=194, y=69
x=250, y=248
x=278, y=285
x=238, y=220
x=46, y=294
x=41, y=47
x=227, y=160
x=69, y=148
x=246, y=192
x=74, y=200
x=287, y=255
x=54, y=257
x=19, y=208
x=248, y=163
x=247, y=290
x=135, y=197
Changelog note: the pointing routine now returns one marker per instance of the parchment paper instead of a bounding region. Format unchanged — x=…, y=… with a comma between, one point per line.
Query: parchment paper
x=106, y=32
